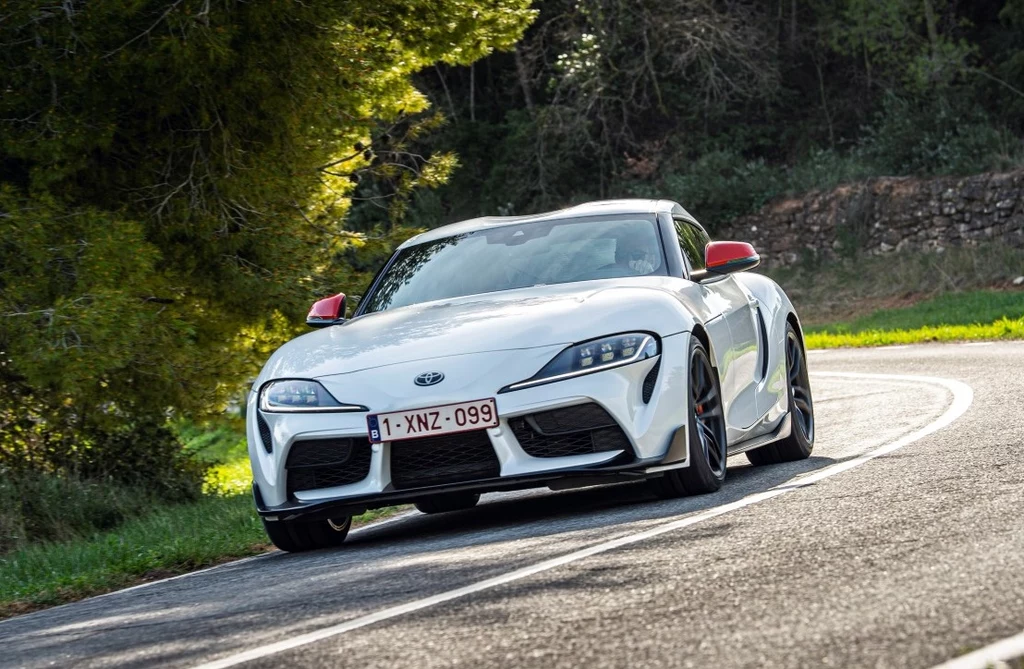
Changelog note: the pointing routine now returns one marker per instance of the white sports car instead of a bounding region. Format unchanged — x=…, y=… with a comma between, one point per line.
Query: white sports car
x=608, y=342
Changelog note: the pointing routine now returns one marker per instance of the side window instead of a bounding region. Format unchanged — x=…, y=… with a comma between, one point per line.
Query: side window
x=692, y=241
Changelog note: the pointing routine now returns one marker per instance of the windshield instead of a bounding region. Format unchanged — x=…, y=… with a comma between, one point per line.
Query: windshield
x=518, y=256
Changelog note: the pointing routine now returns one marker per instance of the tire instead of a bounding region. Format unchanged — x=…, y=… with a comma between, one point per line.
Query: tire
x=296, y=536
x=707, y=436
x=800, y=442
x=451, y=501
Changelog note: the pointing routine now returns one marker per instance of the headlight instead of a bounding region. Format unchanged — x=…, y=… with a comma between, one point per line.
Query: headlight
x=297, y=395
x=593, y=356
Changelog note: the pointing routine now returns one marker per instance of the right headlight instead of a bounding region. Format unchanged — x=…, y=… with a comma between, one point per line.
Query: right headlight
x=593, y=356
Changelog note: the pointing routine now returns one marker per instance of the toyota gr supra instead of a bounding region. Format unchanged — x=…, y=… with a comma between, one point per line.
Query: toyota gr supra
x=609, y=342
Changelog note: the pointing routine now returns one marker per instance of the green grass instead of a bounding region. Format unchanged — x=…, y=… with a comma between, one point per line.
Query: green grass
x=965, y=316
x=968, y=308
x=168, y=540
x=1002, y=329
x=846, y=289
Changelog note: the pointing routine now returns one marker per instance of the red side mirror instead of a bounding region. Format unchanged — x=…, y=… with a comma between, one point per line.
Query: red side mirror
x=327, y=311
x=729, y=257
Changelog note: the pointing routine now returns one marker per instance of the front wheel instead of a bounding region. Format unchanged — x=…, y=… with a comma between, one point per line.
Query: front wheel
x=707, y=440
x=295, y=536
x=800, y=442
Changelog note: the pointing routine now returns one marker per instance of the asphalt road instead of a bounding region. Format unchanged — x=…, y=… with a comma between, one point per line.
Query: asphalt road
x=900, y=543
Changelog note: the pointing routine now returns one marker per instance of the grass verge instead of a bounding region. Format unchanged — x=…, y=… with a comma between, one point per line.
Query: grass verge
x=851, y=288
x=1001, y=329
x=966, y=316
x=167, y=541
x=140, y=539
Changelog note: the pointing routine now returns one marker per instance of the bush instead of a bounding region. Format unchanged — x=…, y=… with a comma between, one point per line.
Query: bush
x=36, y=438
x=824, y=169
x=934, y=135
x=722, y=185
x=37, y=507
x=63, y=477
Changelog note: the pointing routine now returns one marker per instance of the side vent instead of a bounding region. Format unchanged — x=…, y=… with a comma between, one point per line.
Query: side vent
x=763, y=331
x=649, y=381
x=265, y=437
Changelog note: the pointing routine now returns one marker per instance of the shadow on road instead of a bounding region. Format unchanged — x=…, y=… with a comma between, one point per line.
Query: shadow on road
x=547, y=513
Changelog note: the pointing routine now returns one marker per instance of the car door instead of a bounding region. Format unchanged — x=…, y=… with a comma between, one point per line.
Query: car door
x=733, y=322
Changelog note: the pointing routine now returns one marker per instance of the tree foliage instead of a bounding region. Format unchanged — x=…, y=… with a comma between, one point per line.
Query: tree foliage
x=723, y=104
x=173, y=173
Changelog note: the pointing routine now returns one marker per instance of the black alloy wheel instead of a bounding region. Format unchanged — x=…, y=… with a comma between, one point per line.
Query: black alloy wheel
x=800, y=402
x=800, y=442
x=707, y=413
x=707, y=436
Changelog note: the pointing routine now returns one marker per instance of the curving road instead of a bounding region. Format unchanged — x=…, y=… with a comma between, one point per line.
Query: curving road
x=900, y=543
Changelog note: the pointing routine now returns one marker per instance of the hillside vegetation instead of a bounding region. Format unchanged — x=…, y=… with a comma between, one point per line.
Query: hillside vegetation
x=723, y=105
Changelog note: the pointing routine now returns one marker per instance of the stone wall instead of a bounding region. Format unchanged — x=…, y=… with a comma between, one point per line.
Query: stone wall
x=885, y=215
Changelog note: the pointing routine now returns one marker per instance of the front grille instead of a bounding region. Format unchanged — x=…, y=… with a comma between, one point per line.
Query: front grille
x=324, y=463
x=578, y=430
x=265, y=436
x=447, y=458
x=649, y=381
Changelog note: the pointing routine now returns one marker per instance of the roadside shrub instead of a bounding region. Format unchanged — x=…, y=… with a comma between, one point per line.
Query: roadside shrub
x=824, y=169
x=721, y=185
x=38, y=507
x=63, y=477
x=44, y=437
x=935, y=135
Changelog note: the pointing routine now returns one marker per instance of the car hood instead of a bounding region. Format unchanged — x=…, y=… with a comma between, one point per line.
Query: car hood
x=542, y=316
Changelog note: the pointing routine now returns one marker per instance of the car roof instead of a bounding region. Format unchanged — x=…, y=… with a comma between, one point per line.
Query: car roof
x=599, y=208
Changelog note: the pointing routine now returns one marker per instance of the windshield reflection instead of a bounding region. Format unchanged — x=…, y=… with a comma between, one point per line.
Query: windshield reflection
x=519, y=256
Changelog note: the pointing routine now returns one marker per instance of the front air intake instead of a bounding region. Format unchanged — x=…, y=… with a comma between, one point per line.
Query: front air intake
x=265, y=435
x=652, y=377
x=325, y=463
x=578, y=430
x=445, y=458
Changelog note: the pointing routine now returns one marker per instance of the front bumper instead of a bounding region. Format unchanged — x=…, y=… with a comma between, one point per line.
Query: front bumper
x=648, y=427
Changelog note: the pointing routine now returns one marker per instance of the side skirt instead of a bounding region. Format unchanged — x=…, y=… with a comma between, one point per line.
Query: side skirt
x=780, y=432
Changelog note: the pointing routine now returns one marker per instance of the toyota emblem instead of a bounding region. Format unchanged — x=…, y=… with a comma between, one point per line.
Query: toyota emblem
x=429, y=379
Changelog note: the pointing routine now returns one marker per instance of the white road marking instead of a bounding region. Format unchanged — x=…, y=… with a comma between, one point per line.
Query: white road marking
x=977, y=343
x=848, y=396
x=963, y=395
x=1000, y=651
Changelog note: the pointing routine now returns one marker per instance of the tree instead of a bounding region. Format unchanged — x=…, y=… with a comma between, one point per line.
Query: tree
x=173, y=173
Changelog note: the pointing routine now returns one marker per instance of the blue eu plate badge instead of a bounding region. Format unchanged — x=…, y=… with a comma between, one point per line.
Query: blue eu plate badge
x=374, y=428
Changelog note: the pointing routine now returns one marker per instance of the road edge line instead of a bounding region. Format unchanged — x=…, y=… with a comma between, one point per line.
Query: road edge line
x=1001, y=651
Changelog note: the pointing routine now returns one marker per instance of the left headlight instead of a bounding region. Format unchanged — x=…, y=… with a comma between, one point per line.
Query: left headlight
x=593, y=356
x=298, y=395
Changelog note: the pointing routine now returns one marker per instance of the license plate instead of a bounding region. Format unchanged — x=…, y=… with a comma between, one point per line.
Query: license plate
x=430, y=421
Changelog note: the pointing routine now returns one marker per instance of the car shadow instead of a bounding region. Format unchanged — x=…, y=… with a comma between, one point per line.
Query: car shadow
x=517, y=516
